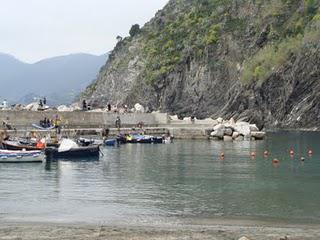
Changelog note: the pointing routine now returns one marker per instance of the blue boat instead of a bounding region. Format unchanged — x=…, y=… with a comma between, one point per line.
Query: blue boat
x=110, y=142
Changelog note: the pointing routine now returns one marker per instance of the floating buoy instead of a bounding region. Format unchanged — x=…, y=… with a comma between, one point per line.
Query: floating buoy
x=253, y=154
x=302, y=159
x=291, y=152
x=222, y=156
x=310, y=152
x=265, y=153
x=275, y=161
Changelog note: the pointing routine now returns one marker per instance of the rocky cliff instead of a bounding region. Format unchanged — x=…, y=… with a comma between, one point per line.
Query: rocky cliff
x=250, y=59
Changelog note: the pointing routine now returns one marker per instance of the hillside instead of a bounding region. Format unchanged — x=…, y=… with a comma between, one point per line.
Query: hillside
x=248, y=59
x=60, y=79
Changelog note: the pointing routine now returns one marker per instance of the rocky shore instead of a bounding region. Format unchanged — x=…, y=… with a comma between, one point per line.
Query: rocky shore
x=237, y=131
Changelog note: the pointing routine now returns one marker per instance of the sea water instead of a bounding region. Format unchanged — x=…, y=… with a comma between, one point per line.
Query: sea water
x=167, y=183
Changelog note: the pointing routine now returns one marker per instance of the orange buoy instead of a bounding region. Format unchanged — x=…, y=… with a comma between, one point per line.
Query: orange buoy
x=275, y=161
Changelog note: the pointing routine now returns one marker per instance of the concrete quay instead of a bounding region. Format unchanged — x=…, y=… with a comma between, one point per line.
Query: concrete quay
x=79, y=123
x=191, y=132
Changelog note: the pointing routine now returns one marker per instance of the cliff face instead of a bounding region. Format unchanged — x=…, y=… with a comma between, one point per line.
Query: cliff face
x=249, y=59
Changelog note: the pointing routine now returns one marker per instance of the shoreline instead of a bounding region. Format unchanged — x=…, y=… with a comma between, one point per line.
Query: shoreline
x=226, y=229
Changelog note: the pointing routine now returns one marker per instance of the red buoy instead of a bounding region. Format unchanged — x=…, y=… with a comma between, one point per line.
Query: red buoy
x=275, y=161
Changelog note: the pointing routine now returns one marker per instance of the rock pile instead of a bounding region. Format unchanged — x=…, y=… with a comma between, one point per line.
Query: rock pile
x=236, y=131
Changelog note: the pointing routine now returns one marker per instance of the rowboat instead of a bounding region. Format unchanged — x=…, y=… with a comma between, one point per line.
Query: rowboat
x=42, y=128
x=7, y=156
x=110, y=142
x=138, y=138
x=14, y=145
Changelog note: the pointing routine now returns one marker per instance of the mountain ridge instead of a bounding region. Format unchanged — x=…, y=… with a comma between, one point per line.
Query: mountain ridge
x=59, y=78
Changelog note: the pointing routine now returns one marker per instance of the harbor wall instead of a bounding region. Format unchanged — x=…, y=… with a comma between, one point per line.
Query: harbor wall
x=79, y=119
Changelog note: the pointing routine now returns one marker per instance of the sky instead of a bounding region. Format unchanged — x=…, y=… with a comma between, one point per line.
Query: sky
x=32, y=30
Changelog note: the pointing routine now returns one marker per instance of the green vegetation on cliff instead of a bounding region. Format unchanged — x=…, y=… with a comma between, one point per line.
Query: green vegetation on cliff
x=254, y=59
x=294, y=31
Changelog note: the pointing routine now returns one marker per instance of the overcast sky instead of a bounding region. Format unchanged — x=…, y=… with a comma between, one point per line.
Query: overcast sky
x=35, y=29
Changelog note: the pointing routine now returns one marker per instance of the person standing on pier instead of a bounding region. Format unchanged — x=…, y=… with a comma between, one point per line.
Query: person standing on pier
x=84, y=105
x=118, y=123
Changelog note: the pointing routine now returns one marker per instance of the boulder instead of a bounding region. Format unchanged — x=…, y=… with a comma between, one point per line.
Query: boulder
x=139, y=108
x=220, y=120
x=244, y=238
x=219, y=127
x=258, y=135
x=232, y=121
x=253, y=128
x=227, y=139
x=235, y=135
x=239, y=138
x=174, y=118
x=32, y=106
x=64, y=108
x=218, y=133
x=243, y=128
x=228, y=131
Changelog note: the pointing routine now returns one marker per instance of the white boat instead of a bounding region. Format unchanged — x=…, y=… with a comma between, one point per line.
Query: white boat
x=7, y=156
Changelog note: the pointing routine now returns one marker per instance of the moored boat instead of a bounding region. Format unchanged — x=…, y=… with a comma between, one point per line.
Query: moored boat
x=110, y=142
x=15, y=145
x=69, y=149
x=139, y=138
x=43, y=128
x=7, y=156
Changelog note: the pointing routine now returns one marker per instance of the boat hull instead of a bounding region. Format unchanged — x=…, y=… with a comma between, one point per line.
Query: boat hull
x=76, y=153
x=11, y=145
x=18, y=158
x=42, y=128
x=110, y=142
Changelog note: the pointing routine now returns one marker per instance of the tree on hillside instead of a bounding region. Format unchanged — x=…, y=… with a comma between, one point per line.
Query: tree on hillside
x=119, y=38
x=135, y=29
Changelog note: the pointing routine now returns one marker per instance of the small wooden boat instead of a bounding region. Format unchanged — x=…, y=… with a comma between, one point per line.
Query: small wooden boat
x=110, y=142
x=42, y=128
x=138, y=138
x=7, y=156
x=87, y=142
x=14, y=145
x=18, y=152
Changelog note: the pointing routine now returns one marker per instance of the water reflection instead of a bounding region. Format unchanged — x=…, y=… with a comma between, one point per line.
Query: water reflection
x=165, y=183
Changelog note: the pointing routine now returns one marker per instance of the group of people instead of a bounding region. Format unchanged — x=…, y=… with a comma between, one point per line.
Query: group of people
x=87, y=106
x=46, y=123
x=43, y=102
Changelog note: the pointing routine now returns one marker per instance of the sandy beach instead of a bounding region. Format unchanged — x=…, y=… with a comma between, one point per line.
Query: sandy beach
x=28, y=231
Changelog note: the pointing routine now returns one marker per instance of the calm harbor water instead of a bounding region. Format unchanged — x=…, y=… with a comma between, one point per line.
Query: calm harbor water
x=170, y=182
